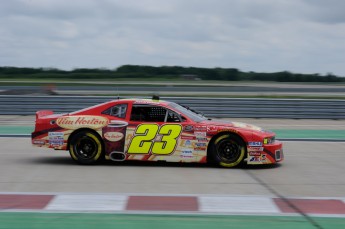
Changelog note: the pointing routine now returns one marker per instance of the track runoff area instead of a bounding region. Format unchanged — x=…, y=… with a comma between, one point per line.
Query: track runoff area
x=40, y=188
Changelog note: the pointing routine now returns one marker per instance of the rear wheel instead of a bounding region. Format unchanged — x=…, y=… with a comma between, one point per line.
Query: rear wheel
x=228, y=150
x=86, y=148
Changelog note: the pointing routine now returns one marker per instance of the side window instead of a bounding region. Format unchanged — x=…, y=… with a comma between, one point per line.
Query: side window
x=173, y=117
x=148, y=113
x=118, y=111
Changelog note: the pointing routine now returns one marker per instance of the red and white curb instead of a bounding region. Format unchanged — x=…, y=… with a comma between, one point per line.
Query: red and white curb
x=207, y=204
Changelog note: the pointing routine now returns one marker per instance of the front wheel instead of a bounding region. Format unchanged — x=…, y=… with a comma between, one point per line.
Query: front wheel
x=228, y=150
x=86, y=148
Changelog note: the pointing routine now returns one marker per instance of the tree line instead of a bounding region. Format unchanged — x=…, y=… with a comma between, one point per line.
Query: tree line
x=163, y=72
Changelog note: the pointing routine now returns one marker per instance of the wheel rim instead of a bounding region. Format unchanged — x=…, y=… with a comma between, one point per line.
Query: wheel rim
x=86, y=148
x=228, y=151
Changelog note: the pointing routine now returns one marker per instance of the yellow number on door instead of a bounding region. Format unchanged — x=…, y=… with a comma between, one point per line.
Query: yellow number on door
x=144, y=139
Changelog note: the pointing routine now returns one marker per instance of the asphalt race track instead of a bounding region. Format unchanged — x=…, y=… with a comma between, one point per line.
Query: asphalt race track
x=40, y=187
x=310, y=169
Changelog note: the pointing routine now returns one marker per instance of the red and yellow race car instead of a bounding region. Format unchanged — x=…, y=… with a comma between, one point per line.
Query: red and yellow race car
x=153, y=130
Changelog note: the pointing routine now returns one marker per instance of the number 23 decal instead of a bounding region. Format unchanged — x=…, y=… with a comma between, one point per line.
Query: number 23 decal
x=150, y=138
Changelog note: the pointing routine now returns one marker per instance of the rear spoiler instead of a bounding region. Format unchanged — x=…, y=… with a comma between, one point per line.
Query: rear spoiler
x=43, y=113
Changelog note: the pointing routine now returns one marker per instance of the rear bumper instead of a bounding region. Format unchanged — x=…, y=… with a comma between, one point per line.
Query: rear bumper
x=55, y=140
x=268, y=154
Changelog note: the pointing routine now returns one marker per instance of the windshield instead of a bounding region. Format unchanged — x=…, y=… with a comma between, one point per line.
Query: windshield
x=188, y=112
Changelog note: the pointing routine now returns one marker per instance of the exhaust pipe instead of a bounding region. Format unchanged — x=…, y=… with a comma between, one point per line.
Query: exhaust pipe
x=117, y=156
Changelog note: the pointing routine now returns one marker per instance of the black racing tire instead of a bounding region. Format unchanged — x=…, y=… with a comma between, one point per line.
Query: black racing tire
x=228, y=150
x=86, y=148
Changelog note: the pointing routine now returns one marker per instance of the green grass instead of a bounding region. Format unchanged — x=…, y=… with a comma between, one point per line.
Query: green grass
x=153, y=221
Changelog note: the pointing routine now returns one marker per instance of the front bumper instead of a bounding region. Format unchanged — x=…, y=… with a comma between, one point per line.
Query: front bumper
x=267, y=154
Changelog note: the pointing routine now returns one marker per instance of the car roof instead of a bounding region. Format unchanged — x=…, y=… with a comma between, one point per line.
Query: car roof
x=143, y=101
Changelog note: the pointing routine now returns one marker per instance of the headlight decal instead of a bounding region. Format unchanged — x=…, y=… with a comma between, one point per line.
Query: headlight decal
x=269, y=140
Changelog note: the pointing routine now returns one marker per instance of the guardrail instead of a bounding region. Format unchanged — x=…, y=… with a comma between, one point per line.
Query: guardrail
x=211, y=107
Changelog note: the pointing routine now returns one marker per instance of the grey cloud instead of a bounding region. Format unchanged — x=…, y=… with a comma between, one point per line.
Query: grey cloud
x=252, y=35
x=330, y=11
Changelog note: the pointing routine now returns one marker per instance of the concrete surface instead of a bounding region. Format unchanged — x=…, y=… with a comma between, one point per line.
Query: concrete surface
x=310, y=169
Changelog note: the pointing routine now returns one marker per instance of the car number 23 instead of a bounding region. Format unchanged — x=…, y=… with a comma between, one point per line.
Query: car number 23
x=155, y=139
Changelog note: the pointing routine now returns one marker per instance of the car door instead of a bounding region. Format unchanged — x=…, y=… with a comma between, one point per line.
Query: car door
x=153, y=134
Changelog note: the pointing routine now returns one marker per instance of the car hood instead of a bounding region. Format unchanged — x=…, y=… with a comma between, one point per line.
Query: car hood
x=225, y=123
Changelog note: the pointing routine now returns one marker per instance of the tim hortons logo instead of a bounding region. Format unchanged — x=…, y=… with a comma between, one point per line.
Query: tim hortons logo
x=113, y=136
x=76, y=122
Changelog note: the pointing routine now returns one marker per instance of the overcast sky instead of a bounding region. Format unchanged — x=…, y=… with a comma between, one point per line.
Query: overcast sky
x=301, y=36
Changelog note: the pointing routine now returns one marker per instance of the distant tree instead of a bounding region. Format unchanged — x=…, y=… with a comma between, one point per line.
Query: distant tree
x=167, y=72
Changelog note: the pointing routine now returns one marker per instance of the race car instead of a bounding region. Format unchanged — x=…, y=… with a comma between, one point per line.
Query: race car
x=153, y=130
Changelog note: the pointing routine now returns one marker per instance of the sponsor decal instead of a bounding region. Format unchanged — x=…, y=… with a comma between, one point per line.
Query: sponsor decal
x=113, y=136
x=184, y=137
x=228, y=130
x=254, y=153
x=146, y=101
x=188, y=128
x=200, y=144
x=55, y=134
x=200, y=134
x=187, y=153
x=254, y=144
x=55, y=138
x=211, y=128
x=76, y=122
x=255, y=159
x=199, y=148
x=201, y=128
x=255, y=148
x=56, y=142
x=263, y=157
x=38, y=142
x=201, y=139
x=187, y=143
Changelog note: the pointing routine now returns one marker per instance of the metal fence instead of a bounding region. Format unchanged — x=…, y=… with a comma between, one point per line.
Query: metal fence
x=212, y=107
